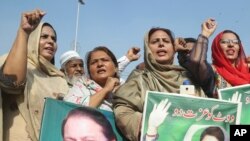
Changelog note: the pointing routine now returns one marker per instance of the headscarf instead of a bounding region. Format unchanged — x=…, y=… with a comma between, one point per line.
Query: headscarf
x=2, y=58
x=237, y=75
x=43, y=80
x=36, y=59
x=167, y=76
x=129, y=99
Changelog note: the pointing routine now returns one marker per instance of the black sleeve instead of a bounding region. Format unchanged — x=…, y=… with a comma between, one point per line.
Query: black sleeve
x=196, y=63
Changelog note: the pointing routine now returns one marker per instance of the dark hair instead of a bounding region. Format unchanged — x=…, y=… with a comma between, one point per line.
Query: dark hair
x=213, y=131
x=230, y=31
x=96, y=116
x=49, y=25
x=190, y=40
x=169, y=32
x=107, y=51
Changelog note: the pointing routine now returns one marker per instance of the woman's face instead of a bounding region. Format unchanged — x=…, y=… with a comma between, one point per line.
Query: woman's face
x=161, y=47
x=230, y=46
x=101, y=67
x=47, y=43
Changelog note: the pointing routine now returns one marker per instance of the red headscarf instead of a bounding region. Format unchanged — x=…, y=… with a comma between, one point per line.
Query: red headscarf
x=237, y=75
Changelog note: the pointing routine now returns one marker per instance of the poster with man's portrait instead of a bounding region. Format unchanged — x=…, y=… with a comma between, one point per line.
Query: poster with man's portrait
x=183, y=117
x=60, y=117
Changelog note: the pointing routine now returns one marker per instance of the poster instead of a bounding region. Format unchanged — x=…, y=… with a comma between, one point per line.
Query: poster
x=244, y=91
x=188, y=116
x=55, y=112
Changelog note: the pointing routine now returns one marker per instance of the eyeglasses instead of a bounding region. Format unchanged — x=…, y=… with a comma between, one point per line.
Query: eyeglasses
x=228, y=41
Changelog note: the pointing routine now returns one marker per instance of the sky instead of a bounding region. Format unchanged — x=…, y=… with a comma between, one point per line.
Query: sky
x=122, y=24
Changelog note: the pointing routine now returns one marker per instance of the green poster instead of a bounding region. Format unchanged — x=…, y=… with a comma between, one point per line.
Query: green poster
x=187, y=116
x=244, y=92
x=54, y=113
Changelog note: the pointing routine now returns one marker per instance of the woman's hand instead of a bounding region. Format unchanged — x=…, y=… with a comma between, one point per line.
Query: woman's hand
x=208, y=27
x=132, y=54
x=180, y=45
x=112, y=84
x=30, y=20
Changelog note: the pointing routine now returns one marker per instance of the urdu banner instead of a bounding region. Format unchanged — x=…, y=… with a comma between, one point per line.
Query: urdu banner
x=188, y=116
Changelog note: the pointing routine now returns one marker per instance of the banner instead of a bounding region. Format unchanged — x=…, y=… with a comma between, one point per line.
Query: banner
x=187, y=117
x=243, y=93
x=55, y=112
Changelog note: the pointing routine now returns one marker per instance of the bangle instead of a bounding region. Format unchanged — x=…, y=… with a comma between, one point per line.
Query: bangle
x=202, y=42
x=155, y=135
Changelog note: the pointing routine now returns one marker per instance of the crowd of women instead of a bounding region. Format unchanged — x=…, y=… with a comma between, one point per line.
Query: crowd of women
x=28, y=75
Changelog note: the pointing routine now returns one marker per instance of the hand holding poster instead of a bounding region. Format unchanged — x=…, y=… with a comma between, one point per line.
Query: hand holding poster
x=184, y=117
x=238, y=94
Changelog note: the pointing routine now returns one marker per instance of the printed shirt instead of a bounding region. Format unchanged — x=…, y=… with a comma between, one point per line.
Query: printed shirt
x=82, y=90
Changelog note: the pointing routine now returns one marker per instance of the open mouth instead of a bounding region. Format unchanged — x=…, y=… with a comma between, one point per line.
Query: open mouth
x=50, y=50
x=101, y=71
x=230, y=52
x=161, y=52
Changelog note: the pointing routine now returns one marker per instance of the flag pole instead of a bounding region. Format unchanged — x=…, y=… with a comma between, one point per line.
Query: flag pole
x=77, y=21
